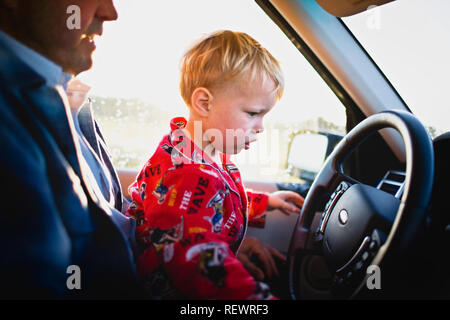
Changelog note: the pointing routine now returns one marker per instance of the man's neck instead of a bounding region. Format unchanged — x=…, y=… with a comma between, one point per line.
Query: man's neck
x=52, y=72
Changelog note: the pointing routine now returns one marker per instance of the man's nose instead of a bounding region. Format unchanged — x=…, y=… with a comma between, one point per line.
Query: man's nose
x=107, y=11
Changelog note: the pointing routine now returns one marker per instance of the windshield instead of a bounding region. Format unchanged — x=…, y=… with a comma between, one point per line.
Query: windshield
x=410, y=42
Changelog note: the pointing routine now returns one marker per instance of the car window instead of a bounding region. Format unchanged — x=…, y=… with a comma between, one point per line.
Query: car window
x=135, y=80
x=409, y=40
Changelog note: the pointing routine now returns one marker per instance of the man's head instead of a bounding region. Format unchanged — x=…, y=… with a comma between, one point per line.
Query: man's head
x=230, y=82
x=43, y=26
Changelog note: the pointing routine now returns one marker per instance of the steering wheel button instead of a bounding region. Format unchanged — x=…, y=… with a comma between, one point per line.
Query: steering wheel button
x=373, y=245
x=358, y=266
x=365, y=256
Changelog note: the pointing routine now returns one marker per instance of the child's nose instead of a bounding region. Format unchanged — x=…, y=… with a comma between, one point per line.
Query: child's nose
x=260, y=125
x=259, y=130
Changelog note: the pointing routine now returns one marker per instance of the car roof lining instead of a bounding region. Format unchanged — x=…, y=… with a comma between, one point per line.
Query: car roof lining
x=345, y=8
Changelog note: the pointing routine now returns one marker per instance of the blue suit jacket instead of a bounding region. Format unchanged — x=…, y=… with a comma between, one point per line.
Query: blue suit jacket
x=50, y=219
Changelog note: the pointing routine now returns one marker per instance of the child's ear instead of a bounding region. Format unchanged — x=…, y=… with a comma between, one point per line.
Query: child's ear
x=201, y=101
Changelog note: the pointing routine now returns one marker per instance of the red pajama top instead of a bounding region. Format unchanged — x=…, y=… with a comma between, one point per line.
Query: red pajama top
x=191, y=218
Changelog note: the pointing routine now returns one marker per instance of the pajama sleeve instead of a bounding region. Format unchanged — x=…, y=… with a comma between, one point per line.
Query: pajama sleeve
x=257, y=206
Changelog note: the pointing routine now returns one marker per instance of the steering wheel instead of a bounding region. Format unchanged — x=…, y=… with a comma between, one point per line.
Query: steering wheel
x=362, y=226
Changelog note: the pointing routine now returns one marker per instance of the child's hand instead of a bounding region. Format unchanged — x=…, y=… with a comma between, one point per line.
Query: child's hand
x=265, y=254
x=286, y=201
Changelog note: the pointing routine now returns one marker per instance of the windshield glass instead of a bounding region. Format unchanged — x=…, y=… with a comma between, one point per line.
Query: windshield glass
x=410, y=42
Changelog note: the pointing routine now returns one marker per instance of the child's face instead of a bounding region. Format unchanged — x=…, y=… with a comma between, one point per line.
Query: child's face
x=236, y=114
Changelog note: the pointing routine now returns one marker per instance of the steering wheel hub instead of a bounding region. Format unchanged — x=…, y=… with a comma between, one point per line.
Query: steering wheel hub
x=366, y=208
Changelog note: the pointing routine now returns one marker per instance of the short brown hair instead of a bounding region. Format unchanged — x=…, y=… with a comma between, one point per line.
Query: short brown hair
x=223, y=56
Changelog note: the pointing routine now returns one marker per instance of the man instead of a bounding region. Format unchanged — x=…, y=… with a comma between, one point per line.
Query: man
x=58, y=237
x=61, y=231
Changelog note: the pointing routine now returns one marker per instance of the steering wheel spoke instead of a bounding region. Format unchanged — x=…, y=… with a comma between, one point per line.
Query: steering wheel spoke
x=350, y=275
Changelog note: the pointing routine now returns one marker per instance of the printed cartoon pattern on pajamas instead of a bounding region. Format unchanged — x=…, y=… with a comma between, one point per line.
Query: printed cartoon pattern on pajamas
x=191, y=218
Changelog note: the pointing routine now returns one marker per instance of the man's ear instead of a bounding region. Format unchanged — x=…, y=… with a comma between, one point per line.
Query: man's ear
x=201, y=101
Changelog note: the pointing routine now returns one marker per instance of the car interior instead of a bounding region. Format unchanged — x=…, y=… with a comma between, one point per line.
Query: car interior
x=375, y=221
x=405, y=238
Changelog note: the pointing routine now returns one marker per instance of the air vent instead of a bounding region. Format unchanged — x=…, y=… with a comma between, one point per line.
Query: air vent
x=393, y=182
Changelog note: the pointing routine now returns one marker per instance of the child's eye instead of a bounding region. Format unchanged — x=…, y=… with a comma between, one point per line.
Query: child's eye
x=252, y=114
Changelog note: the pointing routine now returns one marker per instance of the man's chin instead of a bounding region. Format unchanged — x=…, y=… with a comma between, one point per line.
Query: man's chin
x=79, y=67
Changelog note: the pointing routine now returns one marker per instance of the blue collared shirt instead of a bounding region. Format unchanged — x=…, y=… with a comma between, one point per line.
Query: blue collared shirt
x=50, y=71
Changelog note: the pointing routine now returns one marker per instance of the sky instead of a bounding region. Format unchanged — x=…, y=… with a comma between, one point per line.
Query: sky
x=138, y=55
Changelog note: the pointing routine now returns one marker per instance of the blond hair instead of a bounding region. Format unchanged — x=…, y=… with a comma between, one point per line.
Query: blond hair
x=224, y=56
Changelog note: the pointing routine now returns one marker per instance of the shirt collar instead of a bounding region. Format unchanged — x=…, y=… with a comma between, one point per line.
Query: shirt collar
x=188, y=152
x=77, y=93
x=184, y=144
x=188, y=148
x=50, y=71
